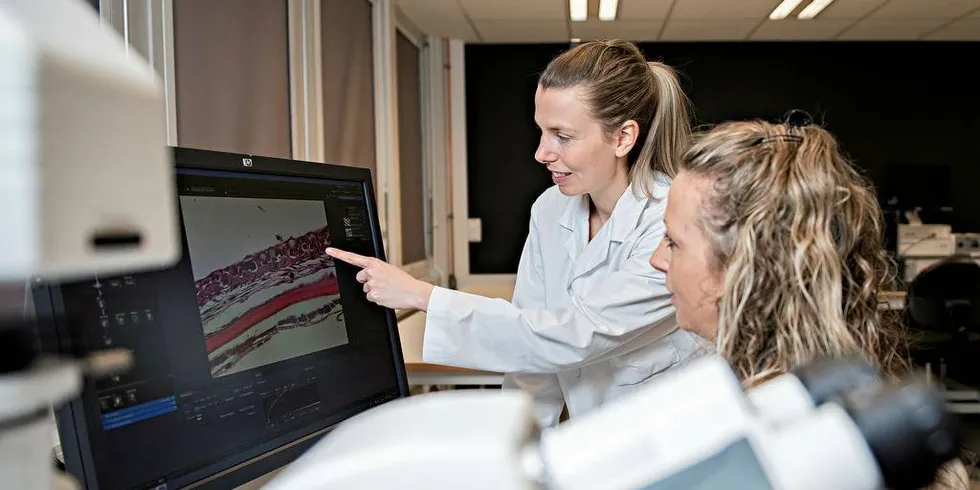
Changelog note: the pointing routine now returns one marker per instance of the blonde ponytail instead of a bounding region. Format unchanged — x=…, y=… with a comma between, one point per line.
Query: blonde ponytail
x=670, y=129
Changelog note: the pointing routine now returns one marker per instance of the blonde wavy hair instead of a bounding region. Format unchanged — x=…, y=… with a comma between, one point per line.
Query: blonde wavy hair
x=798, y=233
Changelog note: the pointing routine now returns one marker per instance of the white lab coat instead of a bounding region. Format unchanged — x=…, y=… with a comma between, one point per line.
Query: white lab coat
x=589, y=321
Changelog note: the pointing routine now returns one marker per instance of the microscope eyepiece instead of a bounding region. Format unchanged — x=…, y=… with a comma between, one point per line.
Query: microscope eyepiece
x=909, y=431
x=827, y=380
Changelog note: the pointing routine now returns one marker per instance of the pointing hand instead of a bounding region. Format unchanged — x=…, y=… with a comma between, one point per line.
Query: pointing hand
x=386, y=284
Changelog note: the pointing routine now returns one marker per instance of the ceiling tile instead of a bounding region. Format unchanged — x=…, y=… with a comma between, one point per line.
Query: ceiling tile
x=967, y=29
x=889, y=30
x=849, y=9
x=516, y=9
x=642, y=9
x=718, y=30
x=451, y=30
x=433, y=10
x=792, y=29
x=722, y=9
x=406, y=23
x=529, y=31
x=621, y=29
x=924, y=9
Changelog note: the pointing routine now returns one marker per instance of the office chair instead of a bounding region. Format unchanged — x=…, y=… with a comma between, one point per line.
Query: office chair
x=943, y=304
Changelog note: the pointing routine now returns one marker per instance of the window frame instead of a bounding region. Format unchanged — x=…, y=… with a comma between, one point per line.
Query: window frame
x=305, y=80
x=148, y=29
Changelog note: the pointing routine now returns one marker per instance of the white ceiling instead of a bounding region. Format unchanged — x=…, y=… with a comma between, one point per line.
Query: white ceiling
x=530, y=21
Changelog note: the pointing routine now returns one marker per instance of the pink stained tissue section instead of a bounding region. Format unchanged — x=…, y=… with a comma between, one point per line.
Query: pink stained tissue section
x=274, y=303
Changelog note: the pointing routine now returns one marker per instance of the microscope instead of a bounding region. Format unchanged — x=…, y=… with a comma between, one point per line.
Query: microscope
x=829, y=424
x=86, y=188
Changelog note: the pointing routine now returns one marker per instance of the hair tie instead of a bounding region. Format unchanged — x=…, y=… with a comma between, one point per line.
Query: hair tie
x=797, y=118
x=794, y=119
x=790, y=138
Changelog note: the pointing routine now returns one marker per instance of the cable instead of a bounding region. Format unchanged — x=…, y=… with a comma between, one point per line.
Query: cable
x=929, y=237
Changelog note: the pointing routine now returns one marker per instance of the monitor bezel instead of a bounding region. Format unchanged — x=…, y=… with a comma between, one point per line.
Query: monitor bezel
x=55, y=335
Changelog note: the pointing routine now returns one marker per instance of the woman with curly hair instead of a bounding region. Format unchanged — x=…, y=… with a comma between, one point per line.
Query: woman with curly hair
x=774, y=252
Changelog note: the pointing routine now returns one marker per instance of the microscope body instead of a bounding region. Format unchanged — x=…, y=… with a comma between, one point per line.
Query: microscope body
x=86, y=188
x=693, y=428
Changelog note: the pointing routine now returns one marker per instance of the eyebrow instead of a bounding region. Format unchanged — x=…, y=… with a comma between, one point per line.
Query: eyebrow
x=556, y=127
x=667, y=233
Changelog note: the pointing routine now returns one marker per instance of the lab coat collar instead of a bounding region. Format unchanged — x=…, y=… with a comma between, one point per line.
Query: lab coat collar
x=629, y=208
x=574, y=210
x=576, y=215
x=626, y=214
x=622, y=221
x=575, y=220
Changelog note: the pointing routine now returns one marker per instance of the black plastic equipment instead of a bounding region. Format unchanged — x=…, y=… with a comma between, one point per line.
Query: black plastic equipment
x=944, y=310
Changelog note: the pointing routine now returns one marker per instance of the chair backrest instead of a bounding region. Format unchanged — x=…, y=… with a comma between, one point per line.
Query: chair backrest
x=946, y=296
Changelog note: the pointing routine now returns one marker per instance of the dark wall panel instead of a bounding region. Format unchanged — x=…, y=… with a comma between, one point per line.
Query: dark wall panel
x=503, y=179
x=907, y=113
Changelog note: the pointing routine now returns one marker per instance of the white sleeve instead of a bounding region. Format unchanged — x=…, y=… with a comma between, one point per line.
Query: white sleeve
x=491, y=334
x=529, y=292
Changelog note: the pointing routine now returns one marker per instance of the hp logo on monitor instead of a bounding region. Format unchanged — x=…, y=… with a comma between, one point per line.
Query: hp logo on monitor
x=246, y=162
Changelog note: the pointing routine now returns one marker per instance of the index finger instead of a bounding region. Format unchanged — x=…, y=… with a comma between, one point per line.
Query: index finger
x=350, y=258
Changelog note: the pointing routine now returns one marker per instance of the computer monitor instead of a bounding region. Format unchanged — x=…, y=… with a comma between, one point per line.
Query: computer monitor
x=245, y=352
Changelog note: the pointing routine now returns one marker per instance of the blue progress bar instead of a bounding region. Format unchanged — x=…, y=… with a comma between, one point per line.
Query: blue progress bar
x=137, y=413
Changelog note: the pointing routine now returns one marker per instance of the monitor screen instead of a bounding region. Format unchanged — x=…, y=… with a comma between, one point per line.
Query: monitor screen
x=254, y=341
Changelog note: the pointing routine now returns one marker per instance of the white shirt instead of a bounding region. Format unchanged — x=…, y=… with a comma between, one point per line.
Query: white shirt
x=589, y=320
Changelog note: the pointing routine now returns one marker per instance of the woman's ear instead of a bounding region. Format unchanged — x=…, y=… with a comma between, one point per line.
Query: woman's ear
x=626, y=137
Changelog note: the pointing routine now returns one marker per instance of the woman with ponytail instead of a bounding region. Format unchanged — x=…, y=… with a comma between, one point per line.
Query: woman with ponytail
x=590, y=319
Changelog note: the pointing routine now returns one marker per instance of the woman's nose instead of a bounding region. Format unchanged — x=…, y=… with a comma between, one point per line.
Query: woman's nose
x=660, y=259
x=543, y=154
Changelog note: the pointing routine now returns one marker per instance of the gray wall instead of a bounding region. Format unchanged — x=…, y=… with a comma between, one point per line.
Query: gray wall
x=348, y=88
x=410, y=151
x=232, y=76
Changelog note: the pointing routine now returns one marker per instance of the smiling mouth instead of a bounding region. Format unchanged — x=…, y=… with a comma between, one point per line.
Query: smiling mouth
x=560, y=174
